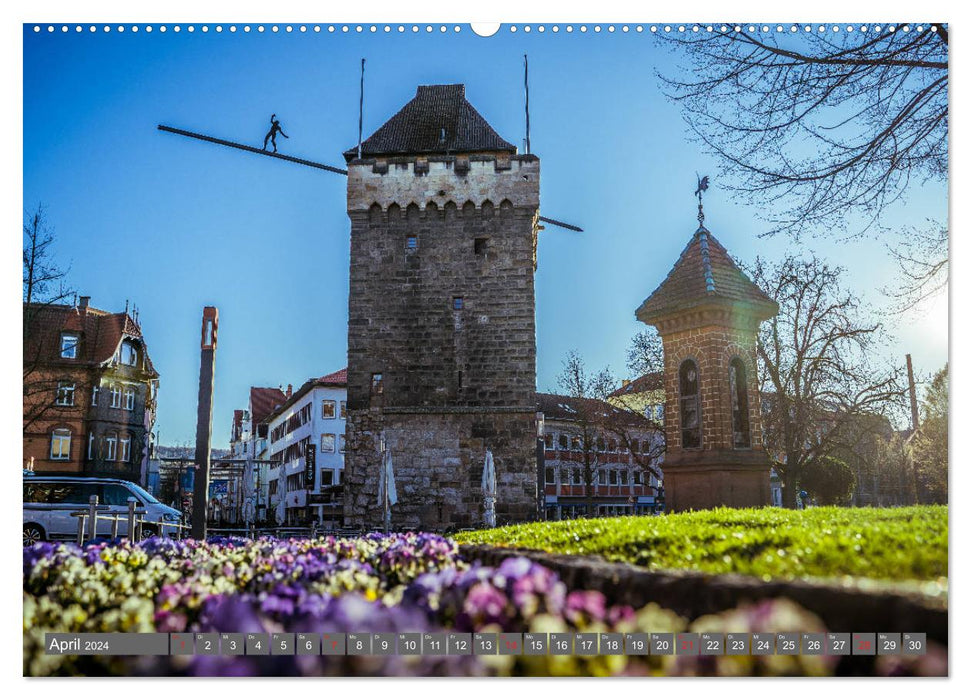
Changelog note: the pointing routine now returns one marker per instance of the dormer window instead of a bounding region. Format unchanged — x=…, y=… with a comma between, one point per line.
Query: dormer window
x=129, y=353
x=69, y=346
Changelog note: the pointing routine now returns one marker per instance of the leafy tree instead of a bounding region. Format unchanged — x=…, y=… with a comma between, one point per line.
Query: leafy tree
x=826, y=126
x=821, y=383
x=929, y=443
x=829, y=481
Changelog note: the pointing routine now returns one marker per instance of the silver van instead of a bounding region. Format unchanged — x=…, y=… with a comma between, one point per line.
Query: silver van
x=50, y=500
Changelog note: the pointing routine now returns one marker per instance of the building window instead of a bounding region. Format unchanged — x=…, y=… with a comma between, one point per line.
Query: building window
x=94, y=395
x=480, y=246
x=564, y=442
x=61, y=444
x=65, y=394
x=578, y=444
x=548, y=441
x=342, y=441
x=115, y=396
x=125, y=444
x=69, y=346
x=635, y=446
x=327, y=477
x=343, y=414
x=690, y=405
x=613, y=477
x=458, y=303
x=411, y=243
x=377, y=384
x=601, y=444
x=741, y=435
x=622, y=478
x=328, y=409
x=129, y=399
x=111, y=447
x=129, y=353
x=550, y=475
x=327, y=442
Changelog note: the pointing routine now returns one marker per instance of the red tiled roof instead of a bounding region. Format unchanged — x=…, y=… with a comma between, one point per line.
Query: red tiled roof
x=338, y=378
x=417, y=127
x=705, y=272
x=101, y=333
x=652, y=381
x=264, y=400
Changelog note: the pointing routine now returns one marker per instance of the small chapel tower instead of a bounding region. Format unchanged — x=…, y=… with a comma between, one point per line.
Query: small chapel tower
x=707, y=313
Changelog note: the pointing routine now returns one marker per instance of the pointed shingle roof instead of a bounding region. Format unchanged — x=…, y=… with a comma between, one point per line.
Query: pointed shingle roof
x=704, y=273
x=417, y=127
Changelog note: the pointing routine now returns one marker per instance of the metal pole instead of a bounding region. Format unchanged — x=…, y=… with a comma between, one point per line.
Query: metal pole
x=360, y=114
x=131, y=518
x=526, y=85
x=207, y=371
x=93, y=517
x=80, y=529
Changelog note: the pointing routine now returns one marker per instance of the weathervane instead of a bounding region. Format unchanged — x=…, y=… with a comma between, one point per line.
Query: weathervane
x=702, y=187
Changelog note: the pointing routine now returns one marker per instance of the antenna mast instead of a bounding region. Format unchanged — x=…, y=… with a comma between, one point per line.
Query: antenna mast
x=360, y=113
x=526, y=86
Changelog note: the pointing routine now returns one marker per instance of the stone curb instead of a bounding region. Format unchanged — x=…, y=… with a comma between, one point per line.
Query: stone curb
x=843, y=608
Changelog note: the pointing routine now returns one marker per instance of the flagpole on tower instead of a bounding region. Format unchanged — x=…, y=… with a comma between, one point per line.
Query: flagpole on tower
x=360, y=114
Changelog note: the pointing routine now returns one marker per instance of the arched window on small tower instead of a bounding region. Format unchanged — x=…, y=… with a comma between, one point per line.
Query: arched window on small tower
x=688, y=385
x=738, y=386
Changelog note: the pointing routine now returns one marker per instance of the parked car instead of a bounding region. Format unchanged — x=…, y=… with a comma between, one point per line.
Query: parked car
x=50, y=500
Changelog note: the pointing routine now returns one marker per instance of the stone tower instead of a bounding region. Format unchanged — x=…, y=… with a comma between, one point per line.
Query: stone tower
x=707, y=313
x=441, y=332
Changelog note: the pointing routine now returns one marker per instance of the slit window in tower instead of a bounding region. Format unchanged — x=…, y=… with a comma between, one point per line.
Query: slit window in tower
x=741, y=434
x=690, y=405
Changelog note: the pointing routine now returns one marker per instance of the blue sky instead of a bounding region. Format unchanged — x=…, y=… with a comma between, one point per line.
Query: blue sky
x=174, y=224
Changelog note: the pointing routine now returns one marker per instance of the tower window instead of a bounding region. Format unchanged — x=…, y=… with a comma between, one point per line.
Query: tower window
x=480, y=245
x=458, y=303
x=377, y=384
x=741, y=435
x=61, y=444
x=690, y=405
x=411, y=243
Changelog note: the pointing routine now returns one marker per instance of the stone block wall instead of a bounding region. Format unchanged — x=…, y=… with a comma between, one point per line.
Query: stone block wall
x=438, y=460
x=442, y=307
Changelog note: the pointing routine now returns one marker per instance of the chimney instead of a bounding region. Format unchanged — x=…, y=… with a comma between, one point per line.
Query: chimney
x=83, y=303
x=289, y=390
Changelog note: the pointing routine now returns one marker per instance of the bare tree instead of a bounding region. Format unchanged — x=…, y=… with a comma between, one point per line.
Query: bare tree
x=597, y=421
x=821, y=380
x=45, y=284
x=829, y=125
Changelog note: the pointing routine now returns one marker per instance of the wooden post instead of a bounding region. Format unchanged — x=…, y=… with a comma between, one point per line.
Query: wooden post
x=207, y=371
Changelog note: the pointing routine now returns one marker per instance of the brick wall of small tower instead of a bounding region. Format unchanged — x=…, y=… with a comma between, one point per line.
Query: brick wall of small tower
x=455, y=382
x=712, y=347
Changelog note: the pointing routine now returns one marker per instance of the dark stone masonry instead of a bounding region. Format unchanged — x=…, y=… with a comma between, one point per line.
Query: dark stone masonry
x=441, y=333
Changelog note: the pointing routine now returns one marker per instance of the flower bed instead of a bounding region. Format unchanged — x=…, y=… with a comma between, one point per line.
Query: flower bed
x=396, y=583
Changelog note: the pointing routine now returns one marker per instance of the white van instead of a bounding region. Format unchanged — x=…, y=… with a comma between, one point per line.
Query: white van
x=50, y=500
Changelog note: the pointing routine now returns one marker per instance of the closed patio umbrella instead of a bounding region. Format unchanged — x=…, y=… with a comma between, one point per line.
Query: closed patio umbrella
x=489, y=489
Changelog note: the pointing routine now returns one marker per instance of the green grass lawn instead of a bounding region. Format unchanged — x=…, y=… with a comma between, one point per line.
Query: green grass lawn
x=892, y=544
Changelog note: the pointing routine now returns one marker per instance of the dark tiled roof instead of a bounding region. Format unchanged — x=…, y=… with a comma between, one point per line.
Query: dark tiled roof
x=417, y=127
x=567, y=408
x=651, y=381
x=263, y=401
x=101, y=334
x=704, y=272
